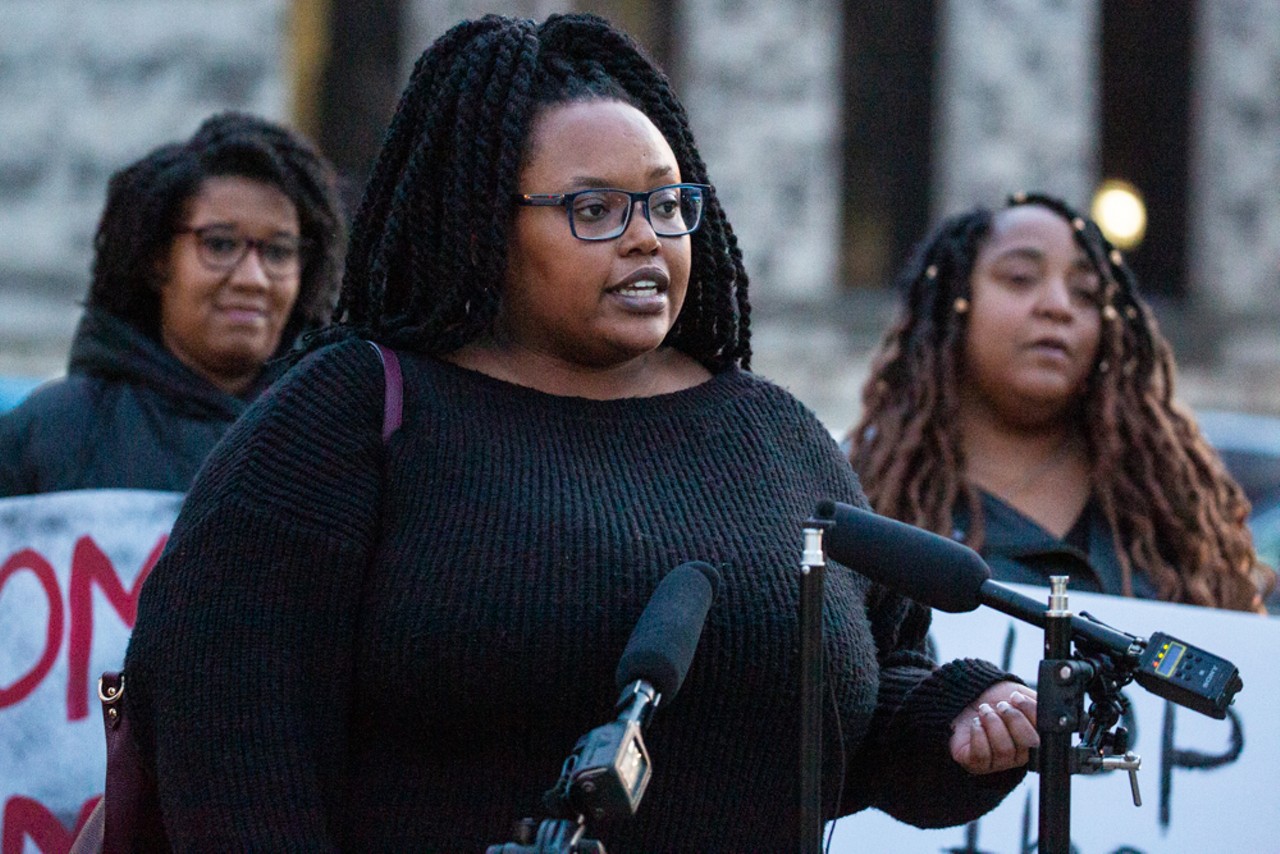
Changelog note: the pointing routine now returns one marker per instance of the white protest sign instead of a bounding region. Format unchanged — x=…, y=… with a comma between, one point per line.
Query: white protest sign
x=1206, y=784
x=71, y=567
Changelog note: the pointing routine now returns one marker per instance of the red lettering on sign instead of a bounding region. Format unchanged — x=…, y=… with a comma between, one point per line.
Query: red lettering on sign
x=26, y=818
x=89, y=566
x=31, y=561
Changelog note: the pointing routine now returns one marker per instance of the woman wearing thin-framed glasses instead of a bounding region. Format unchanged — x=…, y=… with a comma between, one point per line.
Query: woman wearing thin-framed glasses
x=211, y=256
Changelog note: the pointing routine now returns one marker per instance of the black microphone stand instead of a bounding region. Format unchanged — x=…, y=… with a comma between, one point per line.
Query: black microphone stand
x=1058, y=706
x=812, y=571
x=1064, y=680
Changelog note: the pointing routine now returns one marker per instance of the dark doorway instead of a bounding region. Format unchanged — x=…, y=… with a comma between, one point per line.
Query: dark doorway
x=1146, y=113
x=359, y=86
x=888, y=69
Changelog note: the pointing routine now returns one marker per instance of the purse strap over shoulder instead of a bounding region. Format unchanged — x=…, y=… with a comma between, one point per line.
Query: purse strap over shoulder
x=393, y=398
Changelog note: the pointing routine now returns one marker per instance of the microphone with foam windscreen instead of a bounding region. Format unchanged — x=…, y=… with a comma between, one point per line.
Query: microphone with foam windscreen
x=931, y=569
x=946, y=575
x=606, y=775
x=665, y=637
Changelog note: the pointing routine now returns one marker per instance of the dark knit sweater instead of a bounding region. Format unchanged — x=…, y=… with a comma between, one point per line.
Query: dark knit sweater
x=367, y=647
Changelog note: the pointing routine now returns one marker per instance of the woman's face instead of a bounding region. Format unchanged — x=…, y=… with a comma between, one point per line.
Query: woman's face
x=1034, y=321
x=220, y=316
x=592, y=303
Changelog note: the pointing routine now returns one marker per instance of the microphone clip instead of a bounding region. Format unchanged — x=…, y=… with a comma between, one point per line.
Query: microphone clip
x=605, y=776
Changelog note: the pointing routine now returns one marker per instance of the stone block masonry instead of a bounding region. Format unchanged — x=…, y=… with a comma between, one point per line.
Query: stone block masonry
x=86, y=87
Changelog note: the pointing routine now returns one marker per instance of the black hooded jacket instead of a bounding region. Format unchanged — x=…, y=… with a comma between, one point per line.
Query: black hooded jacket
x=127, y=415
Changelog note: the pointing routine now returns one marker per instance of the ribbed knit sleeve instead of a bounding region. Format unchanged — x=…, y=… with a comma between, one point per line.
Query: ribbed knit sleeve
x=905, y=766
x=239, y=668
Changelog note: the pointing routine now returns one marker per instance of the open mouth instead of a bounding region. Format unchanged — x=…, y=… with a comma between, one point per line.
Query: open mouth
x=243, y=314
x=1051, y=345
x=648, y=281
x=641, y=288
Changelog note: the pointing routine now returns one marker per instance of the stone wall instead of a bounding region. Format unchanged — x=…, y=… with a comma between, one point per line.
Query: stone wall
x=1017, y=100
x=88, y=85
x=1235, y=195
x=85, y=87
x=760, y=81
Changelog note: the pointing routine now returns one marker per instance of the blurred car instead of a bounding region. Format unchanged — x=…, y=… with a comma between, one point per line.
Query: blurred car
x=14, y=389
x=1249, y=444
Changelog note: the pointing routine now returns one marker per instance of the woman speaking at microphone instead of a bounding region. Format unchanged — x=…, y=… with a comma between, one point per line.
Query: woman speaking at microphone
x=359, y=642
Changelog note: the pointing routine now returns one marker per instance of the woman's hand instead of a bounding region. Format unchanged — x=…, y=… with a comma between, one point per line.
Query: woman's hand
x=994, y=731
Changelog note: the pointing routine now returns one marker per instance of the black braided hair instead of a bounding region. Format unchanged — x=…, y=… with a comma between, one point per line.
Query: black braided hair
x=428, y=251
x=147, y=201
x=1177, y=514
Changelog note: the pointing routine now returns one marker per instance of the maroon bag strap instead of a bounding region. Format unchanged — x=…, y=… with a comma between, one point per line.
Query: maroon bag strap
x=393, y=398
x=132, y=810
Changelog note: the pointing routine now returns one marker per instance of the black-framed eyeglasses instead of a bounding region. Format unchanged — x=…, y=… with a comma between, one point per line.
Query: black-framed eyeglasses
x=222, y=249
x=603, y=213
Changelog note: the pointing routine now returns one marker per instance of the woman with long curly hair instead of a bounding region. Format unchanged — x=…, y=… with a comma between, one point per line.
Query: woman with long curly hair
x=401, y=633
x=1024, y=403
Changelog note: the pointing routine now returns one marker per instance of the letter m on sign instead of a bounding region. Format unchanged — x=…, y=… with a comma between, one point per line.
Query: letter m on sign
x=89, y=567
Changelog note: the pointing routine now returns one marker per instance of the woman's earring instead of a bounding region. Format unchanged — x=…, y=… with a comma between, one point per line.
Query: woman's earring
x=1104, y=366
x=961, y=305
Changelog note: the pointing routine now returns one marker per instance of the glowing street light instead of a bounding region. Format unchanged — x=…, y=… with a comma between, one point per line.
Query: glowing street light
x=1120, y=213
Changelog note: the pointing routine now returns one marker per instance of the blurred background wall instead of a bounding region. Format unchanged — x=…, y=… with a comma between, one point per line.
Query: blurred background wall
x=836, y=131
